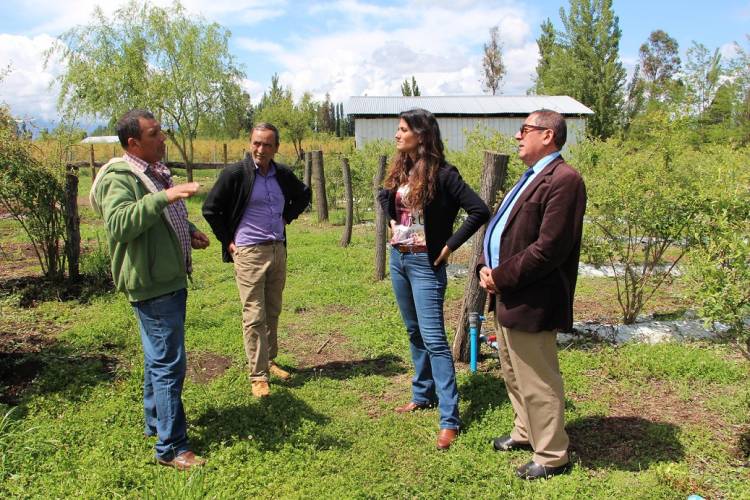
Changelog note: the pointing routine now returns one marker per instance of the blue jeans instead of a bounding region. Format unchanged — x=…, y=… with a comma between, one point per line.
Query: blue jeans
x=420, y=293
x=162, y=324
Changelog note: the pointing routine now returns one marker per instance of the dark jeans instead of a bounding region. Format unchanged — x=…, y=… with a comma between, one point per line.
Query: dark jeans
x=162, y=324
x=420, y=293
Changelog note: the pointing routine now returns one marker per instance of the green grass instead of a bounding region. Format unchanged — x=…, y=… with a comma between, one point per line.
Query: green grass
x=331, y=433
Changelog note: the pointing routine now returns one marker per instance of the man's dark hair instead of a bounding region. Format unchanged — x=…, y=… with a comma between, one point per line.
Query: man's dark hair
x=555, y=122
x=129, y=126
x=268, y=126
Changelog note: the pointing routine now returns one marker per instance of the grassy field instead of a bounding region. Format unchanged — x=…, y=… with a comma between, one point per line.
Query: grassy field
x=659, y=421
x=212, y=150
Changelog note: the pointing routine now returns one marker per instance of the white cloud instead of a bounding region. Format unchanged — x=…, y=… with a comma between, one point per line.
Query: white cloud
x=441, y=47
x=26, y=89
x=255, y=89
x=728, y=51
x=357, y=47
x=61, y=16
x=253, y=45
x=236, y=12
x=355, y=8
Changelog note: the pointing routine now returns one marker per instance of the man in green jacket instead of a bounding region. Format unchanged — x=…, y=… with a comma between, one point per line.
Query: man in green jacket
x=150, y=239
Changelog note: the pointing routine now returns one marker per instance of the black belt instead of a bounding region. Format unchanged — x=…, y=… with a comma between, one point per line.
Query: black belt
x=264, y=243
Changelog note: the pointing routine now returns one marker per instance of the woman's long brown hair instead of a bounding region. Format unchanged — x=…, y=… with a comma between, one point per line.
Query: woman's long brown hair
x=430, y=156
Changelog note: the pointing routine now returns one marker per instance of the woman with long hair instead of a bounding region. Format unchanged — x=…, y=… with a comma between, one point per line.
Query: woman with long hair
x=422, y=195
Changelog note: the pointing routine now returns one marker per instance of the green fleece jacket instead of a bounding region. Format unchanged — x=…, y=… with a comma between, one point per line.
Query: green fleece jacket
x=147, y=259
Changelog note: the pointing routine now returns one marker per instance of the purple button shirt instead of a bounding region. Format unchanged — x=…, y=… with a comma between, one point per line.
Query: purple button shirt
x=262, y=220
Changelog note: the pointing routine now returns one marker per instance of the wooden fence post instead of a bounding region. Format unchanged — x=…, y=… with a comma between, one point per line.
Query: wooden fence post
x=226, y=157
x=308, y=168
x=72, y=222
x=91, y=162
x=493, y=177
x=307, y=177
x=319, y=179
x=380, y=220
x=346, y=238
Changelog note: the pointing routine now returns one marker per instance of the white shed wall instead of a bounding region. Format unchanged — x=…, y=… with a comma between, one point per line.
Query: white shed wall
x=452, y=129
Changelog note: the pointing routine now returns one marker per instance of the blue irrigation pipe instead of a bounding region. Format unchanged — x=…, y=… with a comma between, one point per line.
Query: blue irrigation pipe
x=475, y=324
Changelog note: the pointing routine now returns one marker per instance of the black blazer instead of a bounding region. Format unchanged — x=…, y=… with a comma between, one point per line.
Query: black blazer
x=226, y=202
x=440, y=213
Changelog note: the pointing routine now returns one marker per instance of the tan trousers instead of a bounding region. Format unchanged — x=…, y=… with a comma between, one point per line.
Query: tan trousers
x=260, y=272
x=535, y=388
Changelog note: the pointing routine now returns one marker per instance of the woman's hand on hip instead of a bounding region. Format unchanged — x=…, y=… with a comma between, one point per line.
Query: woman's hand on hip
x=443, y=257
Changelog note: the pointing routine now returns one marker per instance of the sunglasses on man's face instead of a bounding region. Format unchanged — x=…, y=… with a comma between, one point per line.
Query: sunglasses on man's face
x=525, y=129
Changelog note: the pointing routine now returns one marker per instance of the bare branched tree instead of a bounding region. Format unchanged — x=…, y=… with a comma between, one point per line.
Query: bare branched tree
x=494, y=69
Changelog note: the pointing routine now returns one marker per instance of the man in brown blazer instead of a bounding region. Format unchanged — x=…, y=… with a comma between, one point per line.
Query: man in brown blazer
x=529, y=268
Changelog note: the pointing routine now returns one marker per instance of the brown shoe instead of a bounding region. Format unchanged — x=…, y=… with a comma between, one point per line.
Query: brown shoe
x=446, y=438
x=277, y=371
x=412, y=406
x=260, y=388
x=184, y=461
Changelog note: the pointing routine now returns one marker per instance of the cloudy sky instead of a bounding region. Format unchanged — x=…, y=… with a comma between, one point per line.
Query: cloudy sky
x=357, y=47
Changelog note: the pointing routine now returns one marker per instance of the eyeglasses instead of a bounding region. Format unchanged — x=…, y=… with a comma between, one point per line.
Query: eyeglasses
x=525, y=129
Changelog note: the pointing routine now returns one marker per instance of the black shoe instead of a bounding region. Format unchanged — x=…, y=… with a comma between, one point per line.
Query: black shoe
x=506, y=443
x=533, y=470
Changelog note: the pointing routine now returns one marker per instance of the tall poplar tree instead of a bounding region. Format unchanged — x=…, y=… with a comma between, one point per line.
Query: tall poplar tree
x=583, y=62
x=547, y=44
x=410, y=89
x=326, y=117
x=703, y=73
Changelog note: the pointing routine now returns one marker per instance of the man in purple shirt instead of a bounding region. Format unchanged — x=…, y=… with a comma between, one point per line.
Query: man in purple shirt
x=248, y=209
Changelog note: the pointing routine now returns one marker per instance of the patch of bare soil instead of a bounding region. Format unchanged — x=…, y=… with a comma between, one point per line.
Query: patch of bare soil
x=658, y=401
x=317, y=350
x=28, y=347
x=596, y=309
x=642, y=426
x=743, y=445
x=18, y=259
x=25, y=337
x=394, y=395
x=17, y=372
x=203, y=367
x=333, y=356
x=31, y=290
x=21, y=343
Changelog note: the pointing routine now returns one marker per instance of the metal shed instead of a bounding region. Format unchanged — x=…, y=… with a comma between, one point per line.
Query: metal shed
x=101, y=139
x=376, y=117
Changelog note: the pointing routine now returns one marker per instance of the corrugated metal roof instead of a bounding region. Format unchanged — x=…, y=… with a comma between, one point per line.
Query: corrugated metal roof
x=464, y=105
x=101, y=139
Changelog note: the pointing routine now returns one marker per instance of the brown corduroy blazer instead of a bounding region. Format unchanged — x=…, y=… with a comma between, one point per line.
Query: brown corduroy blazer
x=541, y=245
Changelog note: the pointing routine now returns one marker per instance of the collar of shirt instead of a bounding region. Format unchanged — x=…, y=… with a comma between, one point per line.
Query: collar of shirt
x=538, y=166
x=271, y=169
x=141, y=165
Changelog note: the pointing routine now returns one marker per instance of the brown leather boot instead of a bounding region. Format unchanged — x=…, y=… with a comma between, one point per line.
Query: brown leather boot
x=277, y=371
x=184, y=461
x=260, y=388
x=412, y=406
x=446, y=438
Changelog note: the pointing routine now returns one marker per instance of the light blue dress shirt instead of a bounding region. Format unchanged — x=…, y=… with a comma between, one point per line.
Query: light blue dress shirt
x=497, y=225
